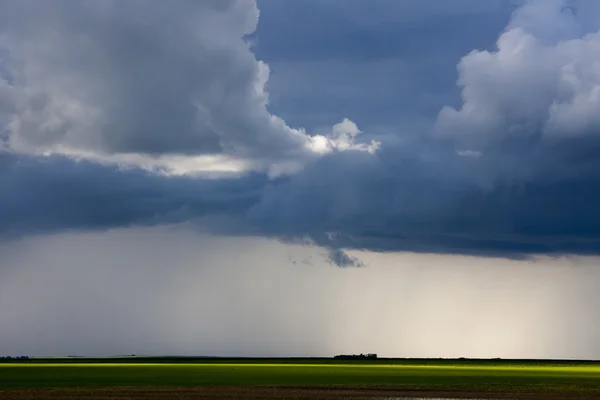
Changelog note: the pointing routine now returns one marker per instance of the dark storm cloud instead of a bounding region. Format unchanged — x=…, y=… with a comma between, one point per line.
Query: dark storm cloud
x=512, y=172
x=54, y=193
x=409, y=204
x=337, y=203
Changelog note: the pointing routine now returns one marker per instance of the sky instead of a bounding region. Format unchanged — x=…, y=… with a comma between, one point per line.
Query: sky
x=300, y=178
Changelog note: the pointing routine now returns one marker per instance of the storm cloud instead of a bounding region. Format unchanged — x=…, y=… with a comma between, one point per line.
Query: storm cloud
x=147, y=113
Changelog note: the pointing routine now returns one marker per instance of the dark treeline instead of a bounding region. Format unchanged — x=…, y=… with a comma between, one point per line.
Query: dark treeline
x=368, y=356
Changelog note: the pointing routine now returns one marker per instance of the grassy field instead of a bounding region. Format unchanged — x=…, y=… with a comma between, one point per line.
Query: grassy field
x=443, y=375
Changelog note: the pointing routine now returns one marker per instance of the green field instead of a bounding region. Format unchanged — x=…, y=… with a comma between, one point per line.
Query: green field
x=488, y=376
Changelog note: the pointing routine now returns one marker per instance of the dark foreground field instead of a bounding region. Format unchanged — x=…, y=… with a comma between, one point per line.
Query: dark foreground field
x=299, y=379
x=278, y=393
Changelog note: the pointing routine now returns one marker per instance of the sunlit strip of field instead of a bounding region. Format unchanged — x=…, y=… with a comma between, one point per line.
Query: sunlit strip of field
x=463, y=377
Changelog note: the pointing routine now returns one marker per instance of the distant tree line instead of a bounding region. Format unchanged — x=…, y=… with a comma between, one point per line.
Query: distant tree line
x=360, y=356
x=14, y=358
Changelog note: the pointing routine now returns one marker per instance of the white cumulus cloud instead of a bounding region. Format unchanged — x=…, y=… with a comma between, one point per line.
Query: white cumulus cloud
x=539, y=87
x=169, y=86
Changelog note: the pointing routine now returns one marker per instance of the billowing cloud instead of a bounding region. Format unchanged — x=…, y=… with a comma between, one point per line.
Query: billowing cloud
x=533, y=102
x=176, y=83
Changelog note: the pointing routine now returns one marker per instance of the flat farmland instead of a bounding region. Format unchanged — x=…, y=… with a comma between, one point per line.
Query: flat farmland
x=289, y=379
